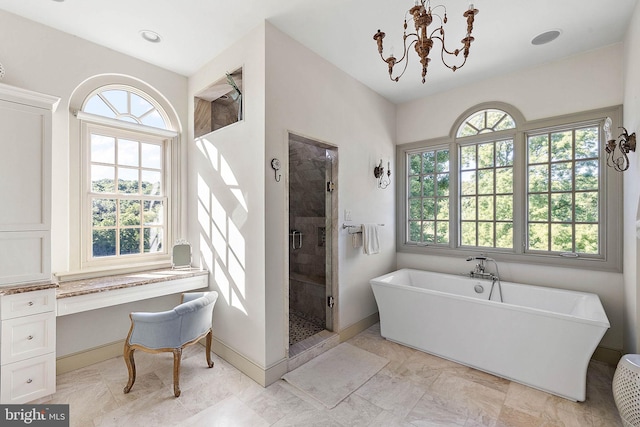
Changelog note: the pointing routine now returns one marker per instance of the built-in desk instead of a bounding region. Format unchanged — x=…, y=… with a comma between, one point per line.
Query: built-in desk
x=90, y=294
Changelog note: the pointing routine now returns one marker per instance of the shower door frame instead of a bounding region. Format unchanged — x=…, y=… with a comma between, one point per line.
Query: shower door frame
x=331, y=227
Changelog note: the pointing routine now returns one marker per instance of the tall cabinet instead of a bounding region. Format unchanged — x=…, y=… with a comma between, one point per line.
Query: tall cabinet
x=27, y=297
x=25, y=185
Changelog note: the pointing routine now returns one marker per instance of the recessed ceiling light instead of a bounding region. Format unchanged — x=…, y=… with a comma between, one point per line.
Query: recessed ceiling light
x=150, y=36
x=546, y=37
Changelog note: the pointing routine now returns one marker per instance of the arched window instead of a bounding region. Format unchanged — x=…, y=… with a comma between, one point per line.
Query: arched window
x=126, y=146
x=486, y=179
x=489, y=120
x=126, y=104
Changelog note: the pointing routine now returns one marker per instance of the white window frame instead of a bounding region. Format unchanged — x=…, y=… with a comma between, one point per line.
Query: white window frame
x=610, y=192
x=145, y=134
x=80, y=264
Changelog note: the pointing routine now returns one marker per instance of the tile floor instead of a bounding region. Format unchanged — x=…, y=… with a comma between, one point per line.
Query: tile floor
x=302, y=326
x=414, y=389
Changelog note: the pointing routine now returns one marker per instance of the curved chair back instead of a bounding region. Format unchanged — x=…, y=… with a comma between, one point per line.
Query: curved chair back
x=176, y=327
x=171, y=330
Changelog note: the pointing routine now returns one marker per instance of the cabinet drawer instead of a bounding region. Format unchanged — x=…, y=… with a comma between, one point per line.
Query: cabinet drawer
x=28, y=380
x=25, y=337
x=27, y=303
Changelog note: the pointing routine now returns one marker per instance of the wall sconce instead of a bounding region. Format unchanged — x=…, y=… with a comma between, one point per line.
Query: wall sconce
x=378, y=172
x=624, y=143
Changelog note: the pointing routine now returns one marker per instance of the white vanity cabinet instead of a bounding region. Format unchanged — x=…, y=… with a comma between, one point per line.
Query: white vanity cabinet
x=27, y=297
x=28, y=345
x=25, y=185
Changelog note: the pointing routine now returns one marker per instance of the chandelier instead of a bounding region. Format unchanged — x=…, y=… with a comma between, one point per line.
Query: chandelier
x=423, y=15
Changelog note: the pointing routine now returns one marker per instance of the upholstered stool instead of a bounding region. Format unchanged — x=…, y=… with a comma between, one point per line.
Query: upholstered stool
x=626, y=389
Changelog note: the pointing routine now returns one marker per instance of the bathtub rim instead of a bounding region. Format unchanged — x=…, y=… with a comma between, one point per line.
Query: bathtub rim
x=541, y=312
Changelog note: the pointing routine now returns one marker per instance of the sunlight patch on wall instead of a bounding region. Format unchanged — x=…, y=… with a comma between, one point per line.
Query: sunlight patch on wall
x=218, y=215
x=237, y=273
x=227, y=174
x=222, y=282
x=219, y=245
x=203, y=215
x=237, y=243
x=209, y=151
x=206, y=253
x=238, y=193
x=222, y=210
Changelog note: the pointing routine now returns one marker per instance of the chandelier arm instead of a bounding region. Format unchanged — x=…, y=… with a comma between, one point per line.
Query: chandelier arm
x=405, y=58
x=454, y=67
x=442, y=52
x=442, y=20
x=454, y=53
x=404, y=47
x=444, y=47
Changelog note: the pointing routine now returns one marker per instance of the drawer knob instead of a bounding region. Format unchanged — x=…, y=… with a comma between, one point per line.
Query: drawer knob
x=30, y=303
x=30, y=337
x=29, y=381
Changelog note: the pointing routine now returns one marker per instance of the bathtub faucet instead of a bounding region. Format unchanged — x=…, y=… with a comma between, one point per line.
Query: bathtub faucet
x=480, y=268
x=479, y=271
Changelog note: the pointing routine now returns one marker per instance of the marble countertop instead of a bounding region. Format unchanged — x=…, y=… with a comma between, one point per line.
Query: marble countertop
x=108, y=283
x=27, y=287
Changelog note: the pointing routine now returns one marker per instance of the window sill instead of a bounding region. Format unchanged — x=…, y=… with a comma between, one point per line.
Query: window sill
x=84, y=295
x=102, y=272
x=553, y=260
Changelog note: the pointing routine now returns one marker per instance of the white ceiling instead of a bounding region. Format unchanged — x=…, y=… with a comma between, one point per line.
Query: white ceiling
x=195, y=31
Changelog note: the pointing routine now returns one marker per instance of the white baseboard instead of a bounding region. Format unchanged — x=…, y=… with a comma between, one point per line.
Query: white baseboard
x=262, y=376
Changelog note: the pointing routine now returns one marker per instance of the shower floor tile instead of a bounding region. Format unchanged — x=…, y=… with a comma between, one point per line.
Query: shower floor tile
x=301, y=328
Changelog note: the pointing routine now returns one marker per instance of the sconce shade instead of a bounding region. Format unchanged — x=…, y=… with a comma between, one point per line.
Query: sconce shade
x=378, y=172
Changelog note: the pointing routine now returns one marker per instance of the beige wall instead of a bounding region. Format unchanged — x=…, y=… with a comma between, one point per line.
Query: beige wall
x=579, y=83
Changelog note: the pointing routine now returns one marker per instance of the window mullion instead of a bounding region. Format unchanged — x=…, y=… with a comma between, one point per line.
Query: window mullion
x=520, y=200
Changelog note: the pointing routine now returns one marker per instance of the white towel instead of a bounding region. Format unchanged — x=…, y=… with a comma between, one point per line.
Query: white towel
x=356, y=240
x=370, y=239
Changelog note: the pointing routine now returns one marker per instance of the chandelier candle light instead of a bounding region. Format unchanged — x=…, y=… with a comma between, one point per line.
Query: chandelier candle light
x=423, y=39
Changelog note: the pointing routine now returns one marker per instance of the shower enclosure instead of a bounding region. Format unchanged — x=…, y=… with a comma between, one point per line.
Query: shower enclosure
x=312, y=167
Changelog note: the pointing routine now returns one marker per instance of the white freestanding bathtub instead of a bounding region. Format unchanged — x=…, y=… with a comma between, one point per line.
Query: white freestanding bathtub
x=540, y=337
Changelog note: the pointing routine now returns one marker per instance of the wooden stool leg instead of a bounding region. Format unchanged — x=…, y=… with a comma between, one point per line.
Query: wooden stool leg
x=131, y=366
x=208, y=347
x=177, y=356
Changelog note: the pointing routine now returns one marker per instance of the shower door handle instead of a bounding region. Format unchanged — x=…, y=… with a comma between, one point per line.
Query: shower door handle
x=293, y=235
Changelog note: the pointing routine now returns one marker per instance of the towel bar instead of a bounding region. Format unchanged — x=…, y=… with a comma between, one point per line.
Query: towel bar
x=359, y=228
